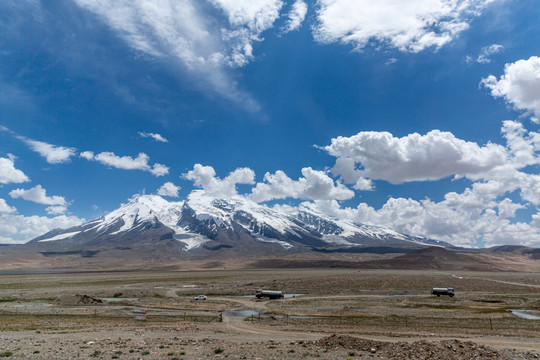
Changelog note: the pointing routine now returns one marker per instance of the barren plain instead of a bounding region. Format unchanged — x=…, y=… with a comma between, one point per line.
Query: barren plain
x=327, y=314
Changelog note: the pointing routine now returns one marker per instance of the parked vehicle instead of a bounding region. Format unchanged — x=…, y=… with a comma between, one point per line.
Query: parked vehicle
x=443, y=291
x=200, y=297
x=271, y=294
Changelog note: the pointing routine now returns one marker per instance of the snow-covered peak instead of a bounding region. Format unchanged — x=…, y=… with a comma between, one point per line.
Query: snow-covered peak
x=223, y=211
x=202, y=218
x=154, y=202
x=140, y=209
x=199, y=201
x=144, y=206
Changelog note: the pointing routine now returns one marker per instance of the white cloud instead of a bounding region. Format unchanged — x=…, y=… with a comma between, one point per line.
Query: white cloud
x=516, y=234
x=412, y=25
x=529, y=185
x=168, y=189
x=519, y=86
x=184, y=31
x=460, y=219
x=523, y=147
x=165, y=28
x=507, y=209
x=487, y=51
x=159, y=170
x=363, y=184
x=248, y=19
x=503, y=182
x=296, y=16
x=124, y=162
x=156, y=137
x=88, y=155
x=495, y=168
x=8, y=172
x=536, y=220
x=5, y=208
x=414, y=157
x=127, y=162
x=205, y=177
x=38, y=195
x=18, y=229
x=52, y=153
x=315, y=185
x=257, y=15
x=56, y=210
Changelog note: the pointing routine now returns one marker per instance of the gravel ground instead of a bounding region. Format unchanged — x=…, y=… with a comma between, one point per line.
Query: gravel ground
x=375, y=314
x=157, y=344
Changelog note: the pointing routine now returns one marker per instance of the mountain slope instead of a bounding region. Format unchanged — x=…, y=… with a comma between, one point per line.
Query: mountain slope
x=204, y=224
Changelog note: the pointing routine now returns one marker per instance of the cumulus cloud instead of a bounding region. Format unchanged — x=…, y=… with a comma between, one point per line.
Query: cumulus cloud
x=407, y=25
x=487, y=51
x=496, y=169
x=168, y=189
x=52, y=153
x=8, y=172
x=38, y=195
x=460, y=219
x=18, y=229
x=88, y=155
x=159, y=170
x=205, y=178
x=296, y=16
x=519, y=86
x=523, y=146
x=156, y=137
x=56, y=210
x=127, y=162
x=196, y=38
x=363, y=184
x=5, y=208
x=314, y=185
x=415, y=157
x=503, y=182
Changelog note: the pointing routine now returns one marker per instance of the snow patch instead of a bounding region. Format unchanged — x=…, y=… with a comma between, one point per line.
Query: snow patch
x=61, y=236
x=193, y=242
x=284, y=244
x=337, y=240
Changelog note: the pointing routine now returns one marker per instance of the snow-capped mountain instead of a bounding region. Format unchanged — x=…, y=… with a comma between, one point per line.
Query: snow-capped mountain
x=203, y=223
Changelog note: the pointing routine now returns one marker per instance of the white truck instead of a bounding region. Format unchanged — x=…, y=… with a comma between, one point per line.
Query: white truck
x=443, y=291
x=271, y=294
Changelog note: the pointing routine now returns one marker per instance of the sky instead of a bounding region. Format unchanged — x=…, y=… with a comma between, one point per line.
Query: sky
x=421, y=116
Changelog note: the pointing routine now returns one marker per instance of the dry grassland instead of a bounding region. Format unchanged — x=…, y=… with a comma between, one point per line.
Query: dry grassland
x=41, y=316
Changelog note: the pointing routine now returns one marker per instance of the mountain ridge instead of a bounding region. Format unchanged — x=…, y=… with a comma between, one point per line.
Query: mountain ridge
x=202, y=222
x=206, y=232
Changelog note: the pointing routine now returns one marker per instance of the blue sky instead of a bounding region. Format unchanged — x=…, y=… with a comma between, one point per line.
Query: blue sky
x=421, y=116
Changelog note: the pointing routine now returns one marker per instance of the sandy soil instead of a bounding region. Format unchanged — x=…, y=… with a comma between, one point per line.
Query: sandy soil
x=332, y=314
